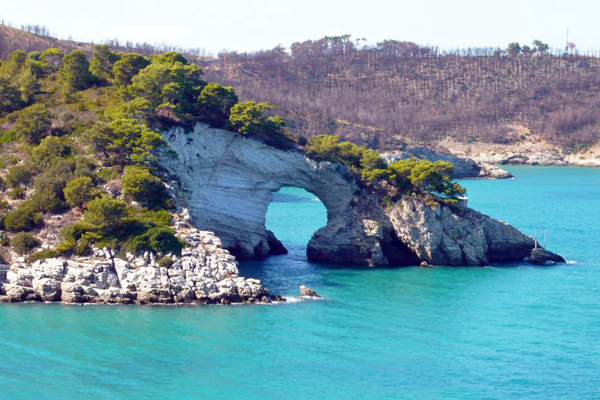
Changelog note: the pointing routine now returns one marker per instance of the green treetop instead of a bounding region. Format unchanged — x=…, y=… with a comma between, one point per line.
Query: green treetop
x=174, y=86
x=103, y=60
x=215, y=103
x=75, y=74
x=249, y=117
x=128, y=66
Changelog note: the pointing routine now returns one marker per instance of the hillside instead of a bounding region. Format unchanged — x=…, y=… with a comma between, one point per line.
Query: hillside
x=396, y=92
x=12, y=39
x=384, y=94
x=38, y=38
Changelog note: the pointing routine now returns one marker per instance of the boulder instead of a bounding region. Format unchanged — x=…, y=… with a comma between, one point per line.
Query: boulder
x=543, y=256
x=489, y=171
x=47, y=289
x=307, y=292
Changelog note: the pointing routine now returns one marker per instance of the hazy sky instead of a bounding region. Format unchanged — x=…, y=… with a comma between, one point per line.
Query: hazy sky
x=260, y=24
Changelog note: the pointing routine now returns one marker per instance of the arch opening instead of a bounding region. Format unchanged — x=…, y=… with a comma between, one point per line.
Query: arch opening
x=293, y=216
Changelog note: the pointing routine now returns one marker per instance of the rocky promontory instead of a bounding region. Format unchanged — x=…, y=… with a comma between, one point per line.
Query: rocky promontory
x=204, y=273
x=456, y=235
x=227, y=182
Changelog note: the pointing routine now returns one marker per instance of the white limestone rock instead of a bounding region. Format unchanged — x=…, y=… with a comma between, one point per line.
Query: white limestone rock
x=227, y=182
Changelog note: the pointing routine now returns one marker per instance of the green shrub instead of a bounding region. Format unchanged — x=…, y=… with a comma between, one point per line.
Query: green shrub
x=8, y=136
x=48, y=195
x=49, y=148
x=215, y=103
x=409, y=175
x=363, y=161
x=125, y=138
x=82, y=249
x=103, y=59
x=105, y=213
x=61, y=249
x=163, y=240
x=159, y=240
x=166, y=262
x=249, y=117
x=49, y=185
x=52, y=59
x=152, y=217
x=4, y=209
x=19, y=175
x=64, y=248
x=16, y=193
x=74, y=74
x=170, y=84
x=33, y=124
x=23, y=243
x=140, y=185
x=72, y=233
x=110, y=173
x=127, y=67
x=10, y=95
x=78, y=191
x=22, y=219
x=434, y=178
x=42, y=255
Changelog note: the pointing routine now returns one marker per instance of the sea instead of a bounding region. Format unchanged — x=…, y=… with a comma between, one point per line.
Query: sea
x=509, y=331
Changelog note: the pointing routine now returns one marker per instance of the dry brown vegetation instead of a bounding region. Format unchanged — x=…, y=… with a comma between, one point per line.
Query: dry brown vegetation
x=377, y=95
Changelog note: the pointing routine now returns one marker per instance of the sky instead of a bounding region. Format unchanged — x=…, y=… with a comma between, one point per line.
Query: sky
x=246, y=25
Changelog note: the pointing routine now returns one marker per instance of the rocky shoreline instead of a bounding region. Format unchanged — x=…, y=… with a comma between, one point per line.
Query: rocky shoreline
x=542, y=158
x=205, y=273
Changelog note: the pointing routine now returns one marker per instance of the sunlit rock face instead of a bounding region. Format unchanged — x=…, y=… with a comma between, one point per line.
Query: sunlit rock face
x=227, y=181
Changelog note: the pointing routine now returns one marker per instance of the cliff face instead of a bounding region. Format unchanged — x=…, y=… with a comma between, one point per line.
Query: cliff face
x=227, y=180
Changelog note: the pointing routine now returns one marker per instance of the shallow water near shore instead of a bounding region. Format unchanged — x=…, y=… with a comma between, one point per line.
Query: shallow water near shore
x=503, y=331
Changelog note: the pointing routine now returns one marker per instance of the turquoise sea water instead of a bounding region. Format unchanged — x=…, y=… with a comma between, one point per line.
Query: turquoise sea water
x=500, y=332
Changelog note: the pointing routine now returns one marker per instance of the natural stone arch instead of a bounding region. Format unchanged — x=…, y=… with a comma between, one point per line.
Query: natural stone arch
x=227, y=182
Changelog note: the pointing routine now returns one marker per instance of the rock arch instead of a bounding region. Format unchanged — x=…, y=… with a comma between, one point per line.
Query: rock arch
x=227, y=182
